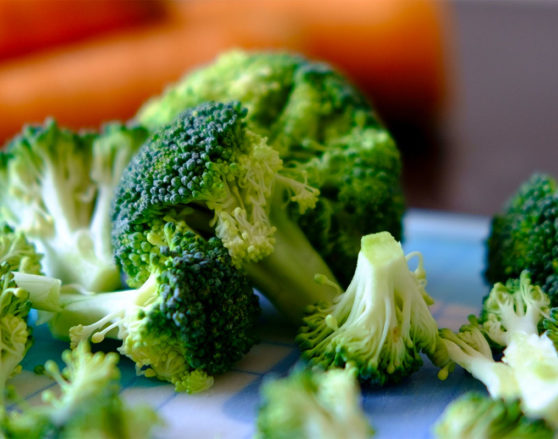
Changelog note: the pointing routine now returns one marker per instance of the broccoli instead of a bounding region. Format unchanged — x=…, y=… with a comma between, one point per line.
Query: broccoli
x=89, y=404
x=57, y=187
x=511, y=317
x=16, y=253
x=525, y=236
x=326, y=133
x=476, y=416
x=192, y=318
x=381, y=322
x=209, y=170
x=311, y=404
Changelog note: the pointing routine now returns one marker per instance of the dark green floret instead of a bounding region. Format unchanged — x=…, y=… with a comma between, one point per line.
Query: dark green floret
x=57, y=187
x=192, y=318
x=525, y=236
x=208, y=170
x=380, y=324
x=478, y=416
x=326, y=133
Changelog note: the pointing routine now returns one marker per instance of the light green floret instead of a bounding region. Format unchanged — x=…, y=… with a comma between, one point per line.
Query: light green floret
x=511, y=317
x=16, y=253
x=313, y=404
x=57, y=187
x=89, y=405
x=381, y=322
x=476, y=416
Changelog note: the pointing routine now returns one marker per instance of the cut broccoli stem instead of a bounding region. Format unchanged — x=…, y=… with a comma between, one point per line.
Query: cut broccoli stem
x=287, y=275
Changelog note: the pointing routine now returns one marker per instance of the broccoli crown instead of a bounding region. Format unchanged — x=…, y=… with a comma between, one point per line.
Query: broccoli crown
x=326, y=133
x=516, y=306
x=57, y=188
x=478, y=416
x=89, y=404
x=193, y=317
x=381, y=322
x=208, y=161
x=309, y=404
x=525, y=236
x=550, y=325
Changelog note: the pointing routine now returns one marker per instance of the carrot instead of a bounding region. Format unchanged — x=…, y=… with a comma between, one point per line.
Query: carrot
x=392, y=48
x=30, y=25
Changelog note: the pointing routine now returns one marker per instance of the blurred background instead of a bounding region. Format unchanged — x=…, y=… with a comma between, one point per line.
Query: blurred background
x=469, y=88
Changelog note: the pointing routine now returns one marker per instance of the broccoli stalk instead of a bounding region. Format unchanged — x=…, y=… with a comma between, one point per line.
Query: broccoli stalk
x=310, y=404
x=58, y=190
x=88, y=406
x=478, y=416
x=381, y=322
x=192, y=318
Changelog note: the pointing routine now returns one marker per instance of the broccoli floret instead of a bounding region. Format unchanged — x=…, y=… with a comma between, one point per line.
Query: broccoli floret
x=57, y=187
x=325, y=132
x=381, y=322
x=475, y=416
x=511, y=317
x=311, y=404
x=88, y=406
x=16, y=253
x=525, y=236
x=192, y=318
x=212, y=172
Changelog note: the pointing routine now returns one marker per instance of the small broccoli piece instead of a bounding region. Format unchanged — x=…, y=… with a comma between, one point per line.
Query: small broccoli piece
x=312, y=404
x=192, y=318
x=550, y=325
x=381, y=322
x=57, y=187
x=89, y=404
x=525, y=236
x=470, y=349
x=326, y=133
x=210, y=171
x=475, y=416
x=511, y=317
x=16, y=253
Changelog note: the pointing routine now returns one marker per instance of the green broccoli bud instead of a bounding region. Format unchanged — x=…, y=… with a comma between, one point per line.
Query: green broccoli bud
x=311, y=404
x=476, y=416
x=326, y=133
x=58, y=188
x=88, y=406
x=381, y=322
x=193, y=317
x=524, y=236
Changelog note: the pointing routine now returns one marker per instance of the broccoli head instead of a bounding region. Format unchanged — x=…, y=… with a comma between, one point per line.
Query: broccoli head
x=309, y=404
x=89, y=404
x=381, y=323
x=192, y=318
x=525, y=236
x=57, y=187
x=478, y=416
x=210, y=171
x=326, y=133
